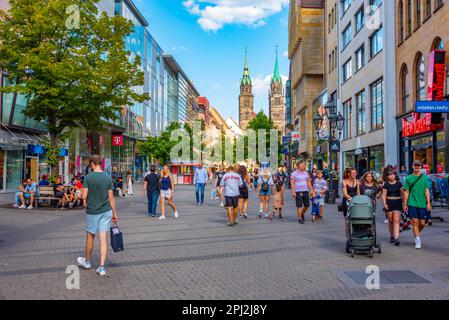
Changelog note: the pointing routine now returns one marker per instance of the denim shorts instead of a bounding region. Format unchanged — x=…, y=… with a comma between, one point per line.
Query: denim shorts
x=265, y=193
x=98, y=222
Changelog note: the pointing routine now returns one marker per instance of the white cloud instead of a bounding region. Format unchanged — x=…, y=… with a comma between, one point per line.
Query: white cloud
x=261, y=84
x=179, y=48
x=285, y=53
x=215, y=14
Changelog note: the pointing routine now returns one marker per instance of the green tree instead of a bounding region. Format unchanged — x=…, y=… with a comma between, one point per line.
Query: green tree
x=74, y=67
x=262, y=121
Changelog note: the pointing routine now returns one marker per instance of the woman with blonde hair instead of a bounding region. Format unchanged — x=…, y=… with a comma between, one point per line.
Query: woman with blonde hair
x=265, y=184
x=167, y=185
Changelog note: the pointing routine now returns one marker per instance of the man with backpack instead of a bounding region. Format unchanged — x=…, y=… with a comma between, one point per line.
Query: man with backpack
x=417, y=200
x=301, y=190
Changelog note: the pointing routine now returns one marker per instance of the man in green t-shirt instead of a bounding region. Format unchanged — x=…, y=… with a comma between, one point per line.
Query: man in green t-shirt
x=98, y=196
x=417, y=200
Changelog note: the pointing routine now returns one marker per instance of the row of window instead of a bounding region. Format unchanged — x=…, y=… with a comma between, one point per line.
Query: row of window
x=333, y=60
x=377, y=113
x=345, y=4
x=417, y=82
x=375, y=44
x=332, y=19
x=410, y=16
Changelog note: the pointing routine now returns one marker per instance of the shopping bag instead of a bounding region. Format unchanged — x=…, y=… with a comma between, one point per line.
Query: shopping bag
x=406, y=223
x=213, y=194
x=116, y=239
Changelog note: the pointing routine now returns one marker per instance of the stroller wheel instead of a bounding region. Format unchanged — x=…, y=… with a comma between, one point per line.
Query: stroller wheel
x=347, y=246
x=352, y=253
x=379, y=248
x=371, y=253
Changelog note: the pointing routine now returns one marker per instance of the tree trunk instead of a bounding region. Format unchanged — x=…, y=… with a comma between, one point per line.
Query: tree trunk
x=52, y=155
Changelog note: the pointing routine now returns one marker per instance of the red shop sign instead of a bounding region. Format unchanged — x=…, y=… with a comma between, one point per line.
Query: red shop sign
x=418, y=125
x=117, y=140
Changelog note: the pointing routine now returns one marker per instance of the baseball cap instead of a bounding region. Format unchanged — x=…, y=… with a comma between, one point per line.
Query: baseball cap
x=417, y=163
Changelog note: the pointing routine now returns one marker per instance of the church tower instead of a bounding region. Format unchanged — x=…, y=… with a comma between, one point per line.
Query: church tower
x=246, y=97
x=276, y=98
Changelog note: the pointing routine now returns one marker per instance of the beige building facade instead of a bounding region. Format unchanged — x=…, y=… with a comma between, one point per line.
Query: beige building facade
x=306, y=49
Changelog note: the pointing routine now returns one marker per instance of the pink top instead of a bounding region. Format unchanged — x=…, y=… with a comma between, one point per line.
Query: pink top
x=301, y=179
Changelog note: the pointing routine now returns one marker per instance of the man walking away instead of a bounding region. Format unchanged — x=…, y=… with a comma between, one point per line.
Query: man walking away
x=231, y=182
x=98, y=192
x=417, y=200
x=152, y=188
x=200, y=180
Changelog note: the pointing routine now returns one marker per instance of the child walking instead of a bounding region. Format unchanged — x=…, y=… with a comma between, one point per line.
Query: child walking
x=320, y=188
x=278, y=200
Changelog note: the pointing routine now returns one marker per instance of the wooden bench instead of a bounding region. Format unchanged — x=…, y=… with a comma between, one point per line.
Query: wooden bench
x=47, y=194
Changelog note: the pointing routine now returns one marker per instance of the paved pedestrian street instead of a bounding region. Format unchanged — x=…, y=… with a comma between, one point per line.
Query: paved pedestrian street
x=198, y=257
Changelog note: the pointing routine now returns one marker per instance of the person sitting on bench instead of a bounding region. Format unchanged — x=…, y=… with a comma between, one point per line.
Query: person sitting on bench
x=60, y=193
x=28, y=193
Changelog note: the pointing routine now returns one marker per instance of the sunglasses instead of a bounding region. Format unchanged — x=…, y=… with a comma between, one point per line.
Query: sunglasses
x=417, y=165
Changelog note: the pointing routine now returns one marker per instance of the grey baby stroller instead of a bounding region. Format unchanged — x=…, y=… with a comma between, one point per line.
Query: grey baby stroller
x=362, y=227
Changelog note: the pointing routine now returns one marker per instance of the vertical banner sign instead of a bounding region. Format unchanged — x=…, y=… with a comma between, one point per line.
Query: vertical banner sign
x=117, y=140
x=437, y=80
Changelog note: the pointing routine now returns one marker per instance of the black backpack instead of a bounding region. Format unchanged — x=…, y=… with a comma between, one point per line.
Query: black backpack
x=265, y=186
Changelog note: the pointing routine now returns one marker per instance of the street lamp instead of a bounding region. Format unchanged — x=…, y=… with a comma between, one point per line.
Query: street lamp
x=336, y=123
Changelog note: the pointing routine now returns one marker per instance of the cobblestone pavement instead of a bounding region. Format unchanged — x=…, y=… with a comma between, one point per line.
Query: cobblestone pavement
x=198, y=257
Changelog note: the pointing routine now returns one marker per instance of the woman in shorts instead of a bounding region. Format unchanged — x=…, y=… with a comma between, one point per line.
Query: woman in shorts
x=392, y=196
x=167, y=185
x=244, y=191
x=265, y=183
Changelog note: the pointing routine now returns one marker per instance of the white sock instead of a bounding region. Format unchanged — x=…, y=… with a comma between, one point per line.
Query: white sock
x=418, y=239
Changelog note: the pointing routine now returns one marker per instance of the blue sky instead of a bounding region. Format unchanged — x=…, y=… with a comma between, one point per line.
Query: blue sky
x=208, y=39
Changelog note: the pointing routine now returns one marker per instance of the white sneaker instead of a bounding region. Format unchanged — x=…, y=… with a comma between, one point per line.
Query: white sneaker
x=418, y=244
x=386, y=221
x=221, y=205
x=30, y=208
x=15, y=205
x=83, y=263
x=266, y=215
x=22, y=207
x=162, y=218
x=176, y=215
x=101, y=271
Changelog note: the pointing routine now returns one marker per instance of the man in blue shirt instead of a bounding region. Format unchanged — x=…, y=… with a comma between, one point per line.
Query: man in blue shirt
x=200, y=180
x=29, y=192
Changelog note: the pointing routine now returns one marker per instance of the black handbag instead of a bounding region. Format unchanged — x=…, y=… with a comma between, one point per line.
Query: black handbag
x=340, y=208
x=116, y=239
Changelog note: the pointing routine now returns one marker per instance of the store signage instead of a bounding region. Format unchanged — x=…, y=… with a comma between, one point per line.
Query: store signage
x=418, y=125
x=34, y=149
x=63, y=152
x=286, y=140
x=335, y=146
x=432, y=106
x=117, y=140
x=437, y=75
x=295, y=136
x=358, y=152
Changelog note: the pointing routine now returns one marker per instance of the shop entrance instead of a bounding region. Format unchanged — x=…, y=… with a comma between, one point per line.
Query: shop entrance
x=32, y=168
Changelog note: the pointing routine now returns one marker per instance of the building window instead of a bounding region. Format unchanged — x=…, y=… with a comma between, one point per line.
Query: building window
x=405, y=90
x=347, y=35
x=417, y=14
x=359, y=19
x=360, y=58
x=376, y=42
x=438, y=3
x=409, y=17
x=420, y=78
x=438, y=44
x=375, y=3
x=345, y=6
x=401, y=22
x=347, y=70
x=347, y=113
x=428, y=9
x=361, y=113
x=377, y=105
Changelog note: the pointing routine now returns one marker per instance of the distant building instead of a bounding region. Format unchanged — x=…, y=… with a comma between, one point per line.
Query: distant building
x=235, y=129
x=276, y=99
x=246, y=97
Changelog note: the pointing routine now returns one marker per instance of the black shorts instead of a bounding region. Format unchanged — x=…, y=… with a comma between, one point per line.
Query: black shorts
x=394, y=205
x=302, y=200
x=231, y=202
x=244, y=194
x=59, y=194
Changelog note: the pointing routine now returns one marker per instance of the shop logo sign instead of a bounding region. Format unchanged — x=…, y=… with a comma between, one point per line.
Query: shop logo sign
x=117, y=140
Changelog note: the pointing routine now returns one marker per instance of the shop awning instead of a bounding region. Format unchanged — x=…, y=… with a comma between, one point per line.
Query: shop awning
x=16, y=140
